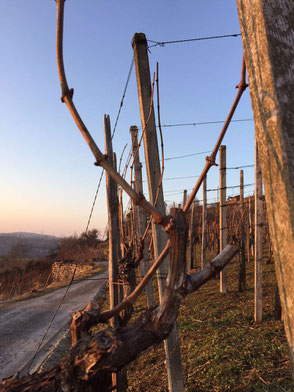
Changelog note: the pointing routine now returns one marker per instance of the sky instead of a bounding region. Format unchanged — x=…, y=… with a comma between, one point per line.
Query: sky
x=47, y=173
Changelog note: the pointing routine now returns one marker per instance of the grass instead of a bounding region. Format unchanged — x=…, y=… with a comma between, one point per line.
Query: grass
x=222, y=348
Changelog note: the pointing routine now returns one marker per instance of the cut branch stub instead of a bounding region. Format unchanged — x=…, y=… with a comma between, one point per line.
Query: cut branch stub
x=193, y=282
x=83, y=320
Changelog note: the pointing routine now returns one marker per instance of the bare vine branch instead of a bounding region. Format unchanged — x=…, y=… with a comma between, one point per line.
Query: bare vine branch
x=67, y=95
x=210, y=161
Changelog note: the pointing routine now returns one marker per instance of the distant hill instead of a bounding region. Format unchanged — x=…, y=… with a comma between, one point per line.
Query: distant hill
x=33, y=245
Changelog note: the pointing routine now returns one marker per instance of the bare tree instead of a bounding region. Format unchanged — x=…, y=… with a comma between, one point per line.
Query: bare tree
x=19, y=250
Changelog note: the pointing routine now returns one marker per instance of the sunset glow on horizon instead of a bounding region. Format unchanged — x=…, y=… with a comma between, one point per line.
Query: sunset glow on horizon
x=48, y=177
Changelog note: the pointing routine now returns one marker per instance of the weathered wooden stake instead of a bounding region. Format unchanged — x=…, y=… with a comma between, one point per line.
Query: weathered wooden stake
x=172, y=346
x=113, y=229
x=223, y=212
x=113, y=223
x=140, y=214
x=248, y=234
x=191, y=243
x=258, y=240
x=250, y=217
x=267, y=28
x=121, y=223
x=242, y=272
x=204, y=223
x=122, y=239
x=185, y=197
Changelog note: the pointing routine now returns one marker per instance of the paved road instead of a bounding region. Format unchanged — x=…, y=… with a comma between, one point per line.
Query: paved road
x=24, y=323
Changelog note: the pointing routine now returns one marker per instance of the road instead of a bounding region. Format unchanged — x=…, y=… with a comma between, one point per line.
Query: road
x=24, y=323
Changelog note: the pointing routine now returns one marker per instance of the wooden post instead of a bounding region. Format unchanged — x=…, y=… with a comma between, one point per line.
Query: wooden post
x=132, y=222
x=140, y=214
x=242, y=272
x=113, y=223
x=267, y=28
x=251, y=246
x=191, y=244
x=121, y=223
x=223, y=212
x=122, y=237
x=184, y=197
x=248, y=233
x=258, y=240
x=172, y=346
x=113, y=228
x=204, y=223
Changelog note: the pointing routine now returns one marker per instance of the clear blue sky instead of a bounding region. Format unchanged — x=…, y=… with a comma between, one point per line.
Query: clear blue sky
x=47, y=175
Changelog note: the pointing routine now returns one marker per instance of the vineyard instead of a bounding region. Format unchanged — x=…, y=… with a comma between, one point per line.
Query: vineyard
x=213, y=248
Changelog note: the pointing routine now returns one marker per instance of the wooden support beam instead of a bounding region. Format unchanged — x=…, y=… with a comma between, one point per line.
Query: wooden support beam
x=223, y=212
x=172, y=346
x=204, y=223
x=258, y=240
x=140, y=214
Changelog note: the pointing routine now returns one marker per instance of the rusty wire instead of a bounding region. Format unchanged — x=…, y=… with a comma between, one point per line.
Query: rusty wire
x=121, y=157
x=145, y=125
x=162, y=43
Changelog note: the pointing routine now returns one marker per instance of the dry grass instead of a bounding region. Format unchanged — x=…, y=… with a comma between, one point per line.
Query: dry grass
x=222, y=348
x=32, y=278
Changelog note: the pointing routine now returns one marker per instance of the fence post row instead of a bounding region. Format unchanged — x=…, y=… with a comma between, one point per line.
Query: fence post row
x=223, y=212
x=172, y=346
x=140, y=214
